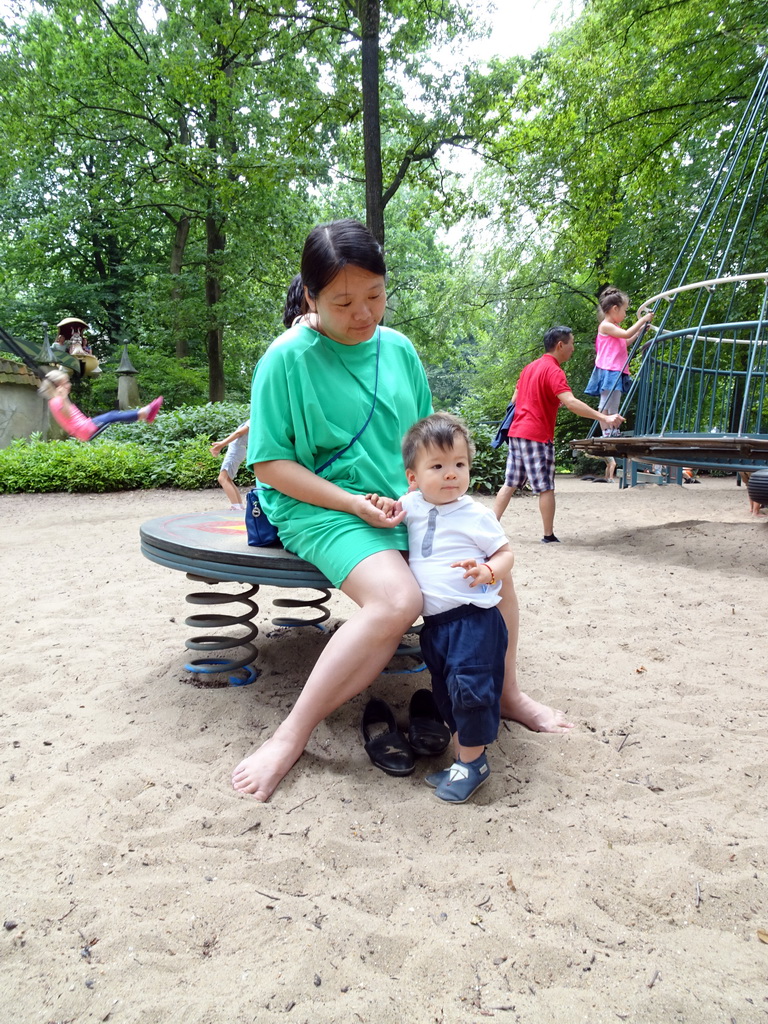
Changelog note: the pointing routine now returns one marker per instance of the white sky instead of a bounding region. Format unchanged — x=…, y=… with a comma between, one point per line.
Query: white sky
x=521, y=27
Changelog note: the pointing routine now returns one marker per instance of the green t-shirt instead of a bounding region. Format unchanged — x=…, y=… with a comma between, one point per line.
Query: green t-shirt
x=310, y=396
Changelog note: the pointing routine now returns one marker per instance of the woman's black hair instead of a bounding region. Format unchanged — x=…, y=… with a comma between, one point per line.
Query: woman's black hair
x=331, y=247
x=294, y=301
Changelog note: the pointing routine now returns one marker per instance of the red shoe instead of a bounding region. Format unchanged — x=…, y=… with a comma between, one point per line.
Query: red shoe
x=154, y=408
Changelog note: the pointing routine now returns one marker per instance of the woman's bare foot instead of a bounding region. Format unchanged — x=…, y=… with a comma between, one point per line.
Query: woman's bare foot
x=533, y=715
x=262, y=771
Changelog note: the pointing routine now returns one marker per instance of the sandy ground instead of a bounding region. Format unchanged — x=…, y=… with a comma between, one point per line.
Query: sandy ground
x=614, y=874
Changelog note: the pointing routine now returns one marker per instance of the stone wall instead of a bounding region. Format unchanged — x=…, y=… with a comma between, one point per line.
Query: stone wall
x=22, y=410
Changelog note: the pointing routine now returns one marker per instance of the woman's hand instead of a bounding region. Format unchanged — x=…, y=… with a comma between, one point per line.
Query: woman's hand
x=377, y=510
x=302, y=484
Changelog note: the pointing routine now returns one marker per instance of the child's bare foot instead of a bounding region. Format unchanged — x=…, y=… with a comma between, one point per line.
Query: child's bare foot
x=533, y=715
x=262, y=771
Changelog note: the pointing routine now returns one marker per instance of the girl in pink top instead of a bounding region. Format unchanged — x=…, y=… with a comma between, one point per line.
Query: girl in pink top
x=610, y=378
x=56, y=386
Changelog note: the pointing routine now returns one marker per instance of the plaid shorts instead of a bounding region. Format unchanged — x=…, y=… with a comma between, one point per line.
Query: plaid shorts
x=533, y=461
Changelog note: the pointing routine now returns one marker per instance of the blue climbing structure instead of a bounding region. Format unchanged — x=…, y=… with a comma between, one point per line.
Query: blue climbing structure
x=700, y=391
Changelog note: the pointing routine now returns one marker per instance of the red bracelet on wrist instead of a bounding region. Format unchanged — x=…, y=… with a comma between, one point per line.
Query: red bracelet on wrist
x=493, y=575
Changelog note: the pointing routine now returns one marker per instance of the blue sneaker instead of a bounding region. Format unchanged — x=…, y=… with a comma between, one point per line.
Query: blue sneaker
x=435, y=778
x=463, y=780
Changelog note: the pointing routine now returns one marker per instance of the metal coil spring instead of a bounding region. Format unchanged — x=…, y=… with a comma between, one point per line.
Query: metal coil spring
x=240, y=670
x=295, y=602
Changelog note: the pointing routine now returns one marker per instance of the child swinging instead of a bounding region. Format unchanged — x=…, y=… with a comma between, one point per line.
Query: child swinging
x=55, y=387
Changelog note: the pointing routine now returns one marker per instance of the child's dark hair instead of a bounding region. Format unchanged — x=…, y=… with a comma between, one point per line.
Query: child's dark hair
x=609, y=298
x=294, y=301
x=440, y=430
x=331, y=247
x=554, y=335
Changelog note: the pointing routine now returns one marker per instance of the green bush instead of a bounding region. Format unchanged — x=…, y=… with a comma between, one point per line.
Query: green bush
x=174, y=451
x=213, y=421
x=42, y=466
x=194, y=467
x=180, y=381
x=489, y=463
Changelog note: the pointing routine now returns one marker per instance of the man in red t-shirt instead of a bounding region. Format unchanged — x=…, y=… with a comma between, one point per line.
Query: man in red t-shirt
x=541, y=390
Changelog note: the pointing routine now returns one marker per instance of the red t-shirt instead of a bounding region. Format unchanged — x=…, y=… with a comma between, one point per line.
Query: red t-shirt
x=537, y=403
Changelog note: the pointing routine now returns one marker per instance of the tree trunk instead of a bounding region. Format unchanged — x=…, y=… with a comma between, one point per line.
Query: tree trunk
x=107, y=259
x=374, y=203
x=177, y=261
x=216, y=242
x=177, y=254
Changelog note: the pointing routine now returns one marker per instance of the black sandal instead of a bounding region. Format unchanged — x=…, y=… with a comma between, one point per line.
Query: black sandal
x=427, y=732
x=386, y=746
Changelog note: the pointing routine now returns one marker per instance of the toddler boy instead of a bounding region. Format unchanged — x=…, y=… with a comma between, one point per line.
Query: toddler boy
x=464, y=638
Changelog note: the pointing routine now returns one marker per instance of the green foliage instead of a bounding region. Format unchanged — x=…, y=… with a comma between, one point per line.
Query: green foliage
x=194, y=466
x=172, y=452
x=611, y=135
x=626, y=106
x=38, y=466
x=603, y=147
x=213, y=421
x=447, y=384
x=179, y=381
x=488, y=464
x=158, y=175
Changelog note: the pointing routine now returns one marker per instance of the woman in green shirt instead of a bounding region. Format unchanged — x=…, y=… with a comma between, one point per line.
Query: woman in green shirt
x=312, y=392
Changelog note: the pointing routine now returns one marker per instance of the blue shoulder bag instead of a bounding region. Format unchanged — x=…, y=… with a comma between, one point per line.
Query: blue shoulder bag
x=502, y=434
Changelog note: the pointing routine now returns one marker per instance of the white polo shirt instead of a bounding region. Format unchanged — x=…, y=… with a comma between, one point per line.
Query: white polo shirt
x=463, y=529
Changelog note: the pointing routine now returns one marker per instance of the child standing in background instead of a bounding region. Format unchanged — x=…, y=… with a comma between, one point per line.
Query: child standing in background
x=233, y=460
x=610, y=378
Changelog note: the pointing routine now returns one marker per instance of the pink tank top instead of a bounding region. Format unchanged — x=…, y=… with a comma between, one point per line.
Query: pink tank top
x=76, y=423
x=611, y=353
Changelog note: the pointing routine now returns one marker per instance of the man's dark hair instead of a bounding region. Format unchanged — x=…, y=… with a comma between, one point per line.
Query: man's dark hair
x=555, y=334
x=440, y=430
